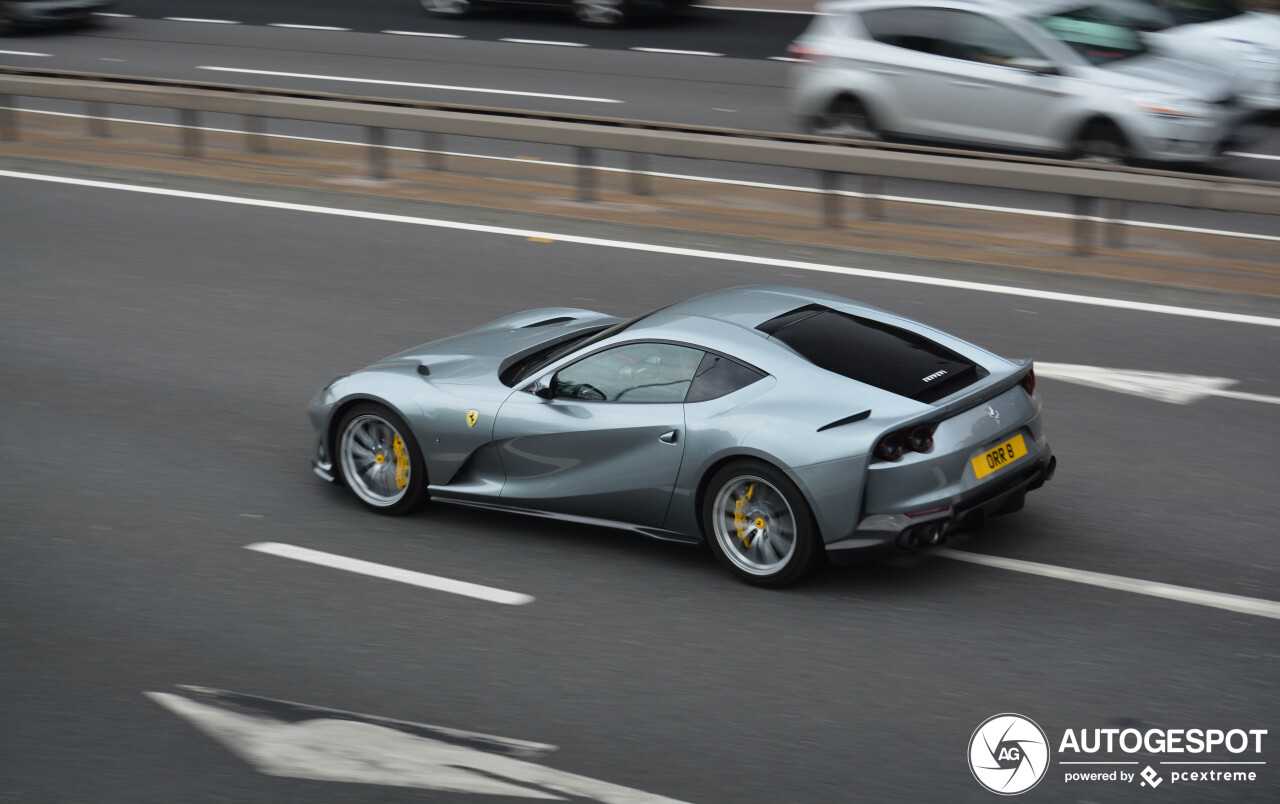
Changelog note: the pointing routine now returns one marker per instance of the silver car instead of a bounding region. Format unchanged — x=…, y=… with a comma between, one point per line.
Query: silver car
x=46, y=13
x=1064, y=77
x=778, y=425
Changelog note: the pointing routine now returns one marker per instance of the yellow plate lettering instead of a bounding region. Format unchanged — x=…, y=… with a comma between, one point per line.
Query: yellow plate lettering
x=1000, y=457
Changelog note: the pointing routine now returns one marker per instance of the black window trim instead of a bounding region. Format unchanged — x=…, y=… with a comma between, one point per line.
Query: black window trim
x=528, y=388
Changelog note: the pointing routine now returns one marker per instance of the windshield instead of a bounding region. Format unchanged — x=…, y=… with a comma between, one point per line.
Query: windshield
x=1189, y=12
x=537, y=361
x=1099, y=34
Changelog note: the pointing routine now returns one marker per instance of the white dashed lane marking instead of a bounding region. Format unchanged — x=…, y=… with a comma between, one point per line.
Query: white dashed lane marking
x=669, y=51
x=426, y=33
x=306, y=27
x=1183, y=594
x=385, y=572
x=201, y=19
x=543, y=42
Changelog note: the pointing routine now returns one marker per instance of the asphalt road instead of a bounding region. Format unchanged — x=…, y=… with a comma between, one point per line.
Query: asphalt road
x=158, y=353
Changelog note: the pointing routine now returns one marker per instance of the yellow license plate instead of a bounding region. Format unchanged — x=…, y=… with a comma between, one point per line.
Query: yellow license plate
x=1003, y=455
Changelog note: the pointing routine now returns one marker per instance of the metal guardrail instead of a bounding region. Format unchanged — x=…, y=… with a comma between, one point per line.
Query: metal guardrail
x=829, y=158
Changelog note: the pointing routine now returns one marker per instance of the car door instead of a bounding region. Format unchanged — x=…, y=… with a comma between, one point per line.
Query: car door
x=986, y=96
x=603, y=438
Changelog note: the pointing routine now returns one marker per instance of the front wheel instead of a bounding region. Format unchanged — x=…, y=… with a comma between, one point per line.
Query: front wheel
x=758, y=524
x=447, y=8
x=1101, y=144
x=379, y=459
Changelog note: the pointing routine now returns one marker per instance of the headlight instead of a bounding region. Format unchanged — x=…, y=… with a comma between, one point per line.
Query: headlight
x=1170, y=106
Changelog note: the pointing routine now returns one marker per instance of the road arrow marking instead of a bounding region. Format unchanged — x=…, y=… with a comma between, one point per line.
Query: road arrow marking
x=1179, y=389
x=281, y=738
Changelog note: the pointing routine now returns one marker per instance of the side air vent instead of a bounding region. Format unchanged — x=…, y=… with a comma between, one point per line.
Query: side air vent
x=550, y=322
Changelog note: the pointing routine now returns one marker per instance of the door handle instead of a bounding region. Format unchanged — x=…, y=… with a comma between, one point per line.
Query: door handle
x=670, y=438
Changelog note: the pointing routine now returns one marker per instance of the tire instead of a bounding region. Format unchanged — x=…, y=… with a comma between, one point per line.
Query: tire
x=848, y=118
x=601, y=13
x=1101, y=143
x=447, y=8
x=758, y=524
x=379, y=459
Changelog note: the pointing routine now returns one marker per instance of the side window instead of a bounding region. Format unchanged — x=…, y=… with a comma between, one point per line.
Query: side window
x=978, y=38
x=718, y=376
x=920, y=29
x=635, y=372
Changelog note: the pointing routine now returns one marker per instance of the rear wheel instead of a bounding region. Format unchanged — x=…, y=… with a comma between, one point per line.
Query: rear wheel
x=758, y=524
x=849, y=118
x=379, y=459
x=1101, y=143
x=447, y=8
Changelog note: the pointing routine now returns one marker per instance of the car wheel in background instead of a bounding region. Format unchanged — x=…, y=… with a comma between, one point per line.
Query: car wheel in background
x=447, y=8
x=758, y=524
x=849, y=118
x=1101, y=143
x=379, y=459
x=600, y=13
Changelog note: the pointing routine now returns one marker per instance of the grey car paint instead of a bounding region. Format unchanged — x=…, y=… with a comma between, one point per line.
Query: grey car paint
x=617, y=463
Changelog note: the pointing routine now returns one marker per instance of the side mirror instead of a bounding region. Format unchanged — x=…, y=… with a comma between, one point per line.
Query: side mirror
x=542, y=389
x=1037, y=66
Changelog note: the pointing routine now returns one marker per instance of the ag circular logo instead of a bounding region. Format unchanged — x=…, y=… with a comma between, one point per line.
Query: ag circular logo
x=1009, y=754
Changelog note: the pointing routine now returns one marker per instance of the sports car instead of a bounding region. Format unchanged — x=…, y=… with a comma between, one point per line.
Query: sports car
x=780, y=426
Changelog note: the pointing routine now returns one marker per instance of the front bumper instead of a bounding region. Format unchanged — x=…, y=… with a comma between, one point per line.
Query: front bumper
x=880, y=535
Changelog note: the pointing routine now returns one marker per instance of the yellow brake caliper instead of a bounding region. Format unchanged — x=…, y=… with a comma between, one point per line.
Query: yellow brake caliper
x=739, y=518
x=402, y=462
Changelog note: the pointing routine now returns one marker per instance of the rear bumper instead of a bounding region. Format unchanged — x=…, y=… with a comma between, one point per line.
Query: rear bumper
x=880, y=535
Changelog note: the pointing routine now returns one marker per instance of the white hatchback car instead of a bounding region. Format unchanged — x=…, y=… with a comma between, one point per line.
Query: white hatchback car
x=1219, y=31
x=1064, y=77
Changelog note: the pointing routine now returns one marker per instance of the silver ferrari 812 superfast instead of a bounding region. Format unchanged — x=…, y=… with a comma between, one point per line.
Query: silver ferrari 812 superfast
x=778, y=425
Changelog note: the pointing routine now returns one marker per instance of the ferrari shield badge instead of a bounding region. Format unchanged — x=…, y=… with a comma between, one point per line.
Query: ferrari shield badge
x=473, y=416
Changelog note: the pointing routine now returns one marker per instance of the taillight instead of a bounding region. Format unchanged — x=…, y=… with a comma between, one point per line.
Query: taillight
x=911, y=439
x=1028, y=382
x=803, y=53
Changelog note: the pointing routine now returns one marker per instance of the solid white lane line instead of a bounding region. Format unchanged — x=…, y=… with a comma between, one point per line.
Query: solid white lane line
x=24, y=53
x=543, y=42
x=732, y=182
x=746, y=259
x=676, y=52
x=1247, y=397
x=424, y=33
x=306, y=27
x=200, y=19
x=1183, y=594
x=392, y=573
x=407, y=84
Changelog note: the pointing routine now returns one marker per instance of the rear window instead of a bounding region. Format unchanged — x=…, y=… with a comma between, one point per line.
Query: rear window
x=878, y=354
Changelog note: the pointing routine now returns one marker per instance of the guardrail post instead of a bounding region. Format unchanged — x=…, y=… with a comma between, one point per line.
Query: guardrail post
x=586, y=174
x=1083, y=209
x=377, y=153
x=1115, y=215
x=96, y=112
x=831, y=207
x=872, y=206
x=433, y=150
x=190, y=122
x=639, y=164
x=255, y=127
x=8, y=119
